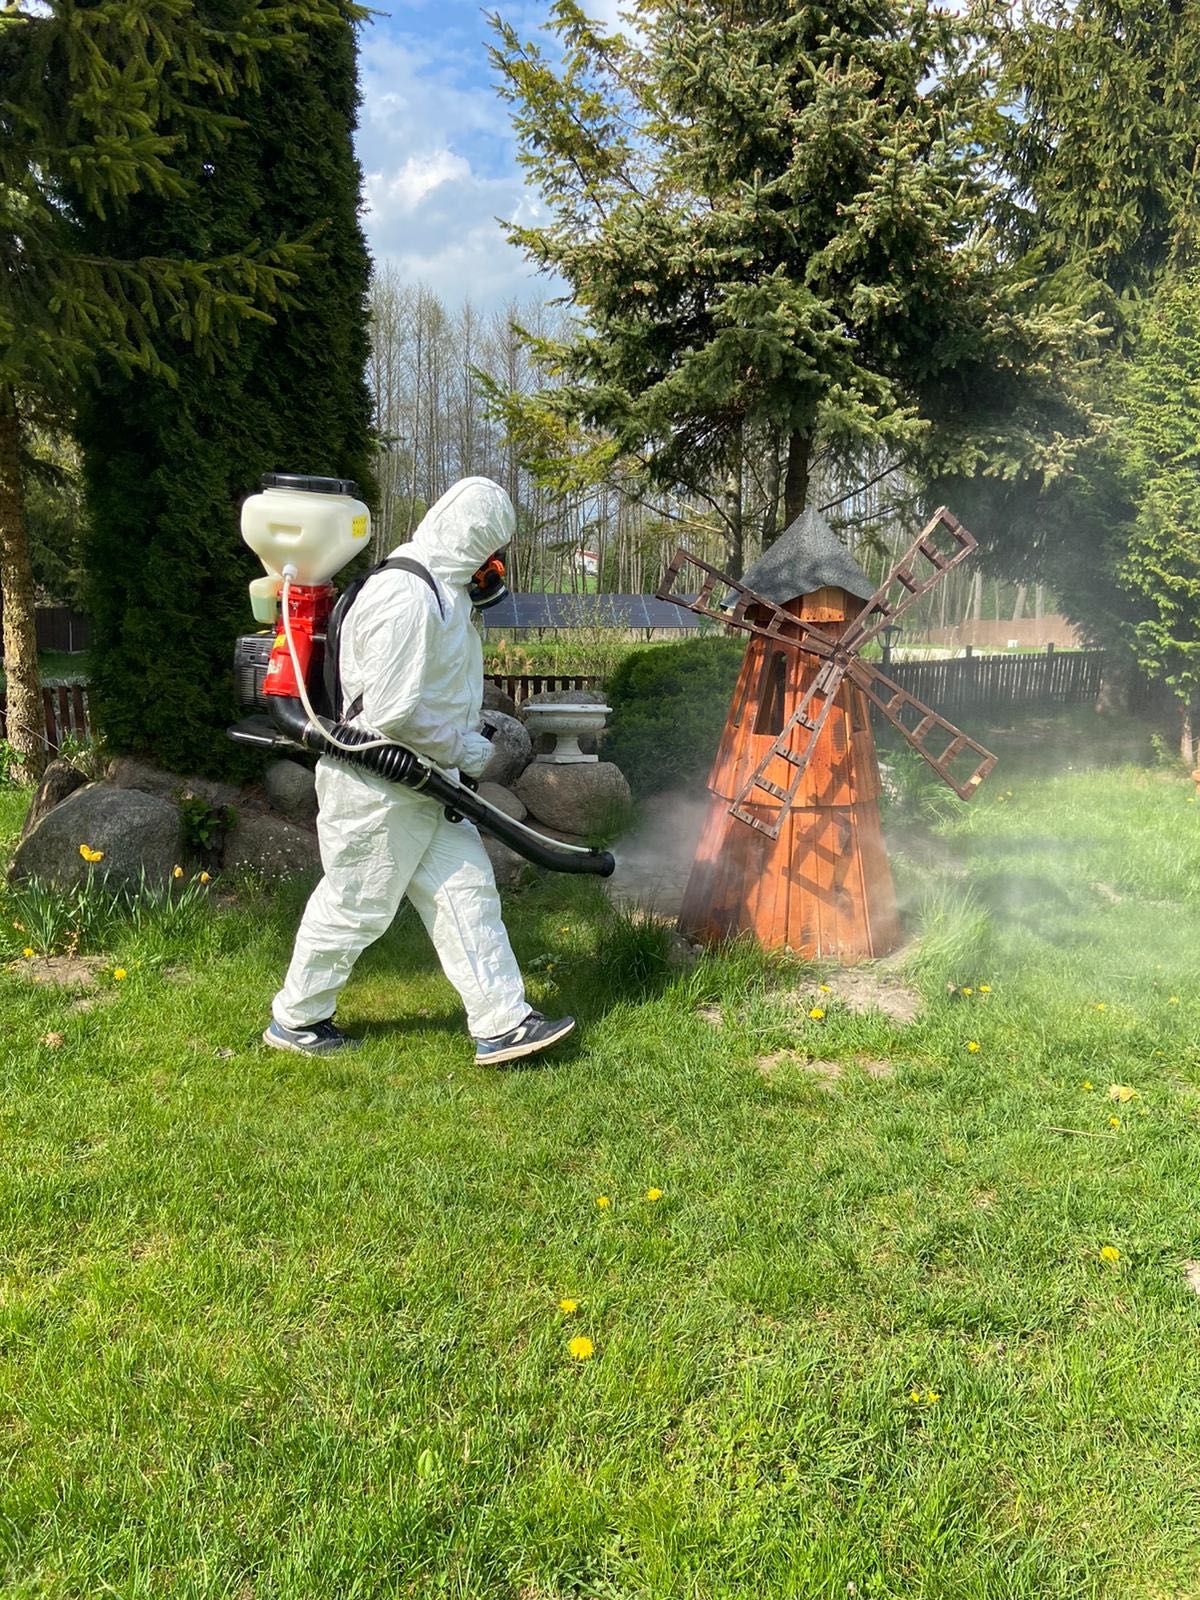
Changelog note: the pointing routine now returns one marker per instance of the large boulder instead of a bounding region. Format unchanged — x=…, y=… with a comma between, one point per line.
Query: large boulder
x=495, y=699
x=504, y=800
x=138, y=835
x=292, y=789
x=271, y=846
x=131, y=772
x=58, y=781
x=508, y=866
x=511, y=750
x=578, y=798
x=543, y=743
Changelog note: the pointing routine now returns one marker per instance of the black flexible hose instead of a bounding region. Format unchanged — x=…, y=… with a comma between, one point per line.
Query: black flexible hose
x=398, y=765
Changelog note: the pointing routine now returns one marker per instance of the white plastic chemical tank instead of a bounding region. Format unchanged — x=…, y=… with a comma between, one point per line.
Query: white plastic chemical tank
x=316, y=524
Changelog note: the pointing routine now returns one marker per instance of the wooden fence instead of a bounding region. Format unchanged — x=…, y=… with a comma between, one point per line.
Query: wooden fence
x=996, y=683
x=60, y=628
x=962, y=685
x=520, y=685
x=66, y=709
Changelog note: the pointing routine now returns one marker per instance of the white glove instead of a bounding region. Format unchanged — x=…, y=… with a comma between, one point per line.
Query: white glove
x=476, y=753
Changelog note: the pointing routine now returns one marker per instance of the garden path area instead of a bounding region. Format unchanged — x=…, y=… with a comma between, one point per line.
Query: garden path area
x=920, y=1321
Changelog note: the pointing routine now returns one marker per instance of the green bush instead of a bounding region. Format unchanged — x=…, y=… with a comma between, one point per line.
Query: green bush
x=669, y=705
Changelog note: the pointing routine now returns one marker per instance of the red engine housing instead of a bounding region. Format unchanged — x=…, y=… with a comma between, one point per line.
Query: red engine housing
x=309, y=606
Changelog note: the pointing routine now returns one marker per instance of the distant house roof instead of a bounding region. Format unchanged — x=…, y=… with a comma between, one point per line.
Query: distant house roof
x=589, y=611
x=807, y=556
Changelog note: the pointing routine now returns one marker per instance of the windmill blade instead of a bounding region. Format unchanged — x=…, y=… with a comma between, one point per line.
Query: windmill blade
x=922, y=565
x=811, y=715
x=780, y=624
x=917, y=723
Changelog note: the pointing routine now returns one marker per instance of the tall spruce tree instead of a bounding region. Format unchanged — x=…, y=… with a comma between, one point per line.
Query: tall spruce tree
x=1159, y=438
x=98, y=104
x=167, y=464
x=772, y=221
x=1100, y=144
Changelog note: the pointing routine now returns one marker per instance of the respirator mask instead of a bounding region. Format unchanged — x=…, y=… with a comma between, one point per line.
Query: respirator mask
x=488, y=586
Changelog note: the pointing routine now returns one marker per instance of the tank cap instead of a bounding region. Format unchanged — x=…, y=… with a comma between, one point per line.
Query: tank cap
x=300, y=480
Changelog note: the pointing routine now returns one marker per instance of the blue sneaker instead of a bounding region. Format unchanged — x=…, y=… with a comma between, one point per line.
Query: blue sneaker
x=318, y=1039
x=526, y=1039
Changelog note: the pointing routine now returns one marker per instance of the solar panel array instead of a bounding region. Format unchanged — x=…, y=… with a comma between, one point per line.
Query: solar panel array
x=589, y=611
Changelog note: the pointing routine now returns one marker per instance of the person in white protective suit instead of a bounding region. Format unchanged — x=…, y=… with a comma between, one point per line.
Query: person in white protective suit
x=410, y=651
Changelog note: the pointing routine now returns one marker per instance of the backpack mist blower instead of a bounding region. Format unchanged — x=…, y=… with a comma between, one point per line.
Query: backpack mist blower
x=304, y=530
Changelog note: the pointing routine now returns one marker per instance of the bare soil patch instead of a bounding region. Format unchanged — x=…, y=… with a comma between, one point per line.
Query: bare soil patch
x=63, y=972
x=824, y=1072
x=860, y=989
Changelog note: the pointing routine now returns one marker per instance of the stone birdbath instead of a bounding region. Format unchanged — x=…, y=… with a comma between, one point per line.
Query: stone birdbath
x=566, y=721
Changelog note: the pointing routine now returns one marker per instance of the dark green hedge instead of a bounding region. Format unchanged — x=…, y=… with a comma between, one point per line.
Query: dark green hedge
x=168, y=463
x=669, y=705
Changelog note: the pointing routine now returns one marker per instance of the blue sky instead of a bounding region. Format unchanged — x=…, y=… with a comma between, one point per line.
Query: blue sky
x=437, y=149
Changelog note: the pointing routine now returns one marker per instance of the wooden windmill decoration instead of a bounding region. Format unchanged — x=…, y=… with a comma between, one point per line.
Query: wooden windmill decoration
x=792, y=849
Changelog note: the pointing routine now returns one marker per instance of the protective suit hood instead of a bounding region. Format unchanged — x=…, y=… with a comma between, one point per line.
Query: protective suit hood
x=469, y=523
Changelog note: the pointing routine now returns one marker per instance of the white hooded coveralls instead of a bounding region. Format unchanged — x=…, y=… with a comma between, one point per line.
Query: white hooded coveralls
x=421, y=678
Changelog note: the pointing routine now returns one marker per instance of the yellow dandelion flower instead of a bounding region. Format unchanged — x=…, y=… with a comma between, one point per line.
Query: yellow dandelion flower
x=654, y=1194
x=177, y=872
x=1088, y=1084
x=88, y=854
x=824, y=988
x=1114, y=1122
x=1174, y=1000
x=932, y=1396
x=1121, y=1092
x=564, y=930
x=816, y=1013
x=973, y=1046
x=603, y=1202
x=581, y=1348
x=205, y=878
x=1109, y=1252
x=985, y=988
x=119, y=974
x=968, y=991
x=1101, y=1005
x=914, y=1396
x=27, y=953
x=568, y=1306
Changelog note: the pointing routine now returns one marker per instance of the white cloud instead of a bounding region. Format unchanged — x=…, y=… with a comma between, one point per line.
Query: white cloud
x=403, y=191
x=440, y=163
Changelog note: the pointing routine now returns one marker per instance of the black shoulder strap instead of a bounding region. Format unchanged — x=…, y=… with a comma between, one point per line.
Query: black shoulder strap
x=333, y=633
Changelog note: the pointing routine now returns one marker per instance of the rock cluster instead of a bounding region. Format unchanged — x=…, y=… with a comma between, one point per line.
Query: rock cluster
x=143, y=820
x=138, y=823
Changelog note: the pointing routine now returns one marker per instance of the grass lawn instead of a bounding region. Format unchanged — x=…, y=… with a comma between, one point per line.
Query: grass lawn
x=275, y=1328
x=57, y=666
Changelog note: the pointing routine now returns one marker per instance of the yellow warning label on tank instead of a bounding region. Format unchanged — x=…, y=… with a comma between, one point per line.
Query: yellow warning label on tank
x=280, y=641
x=358, y=528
